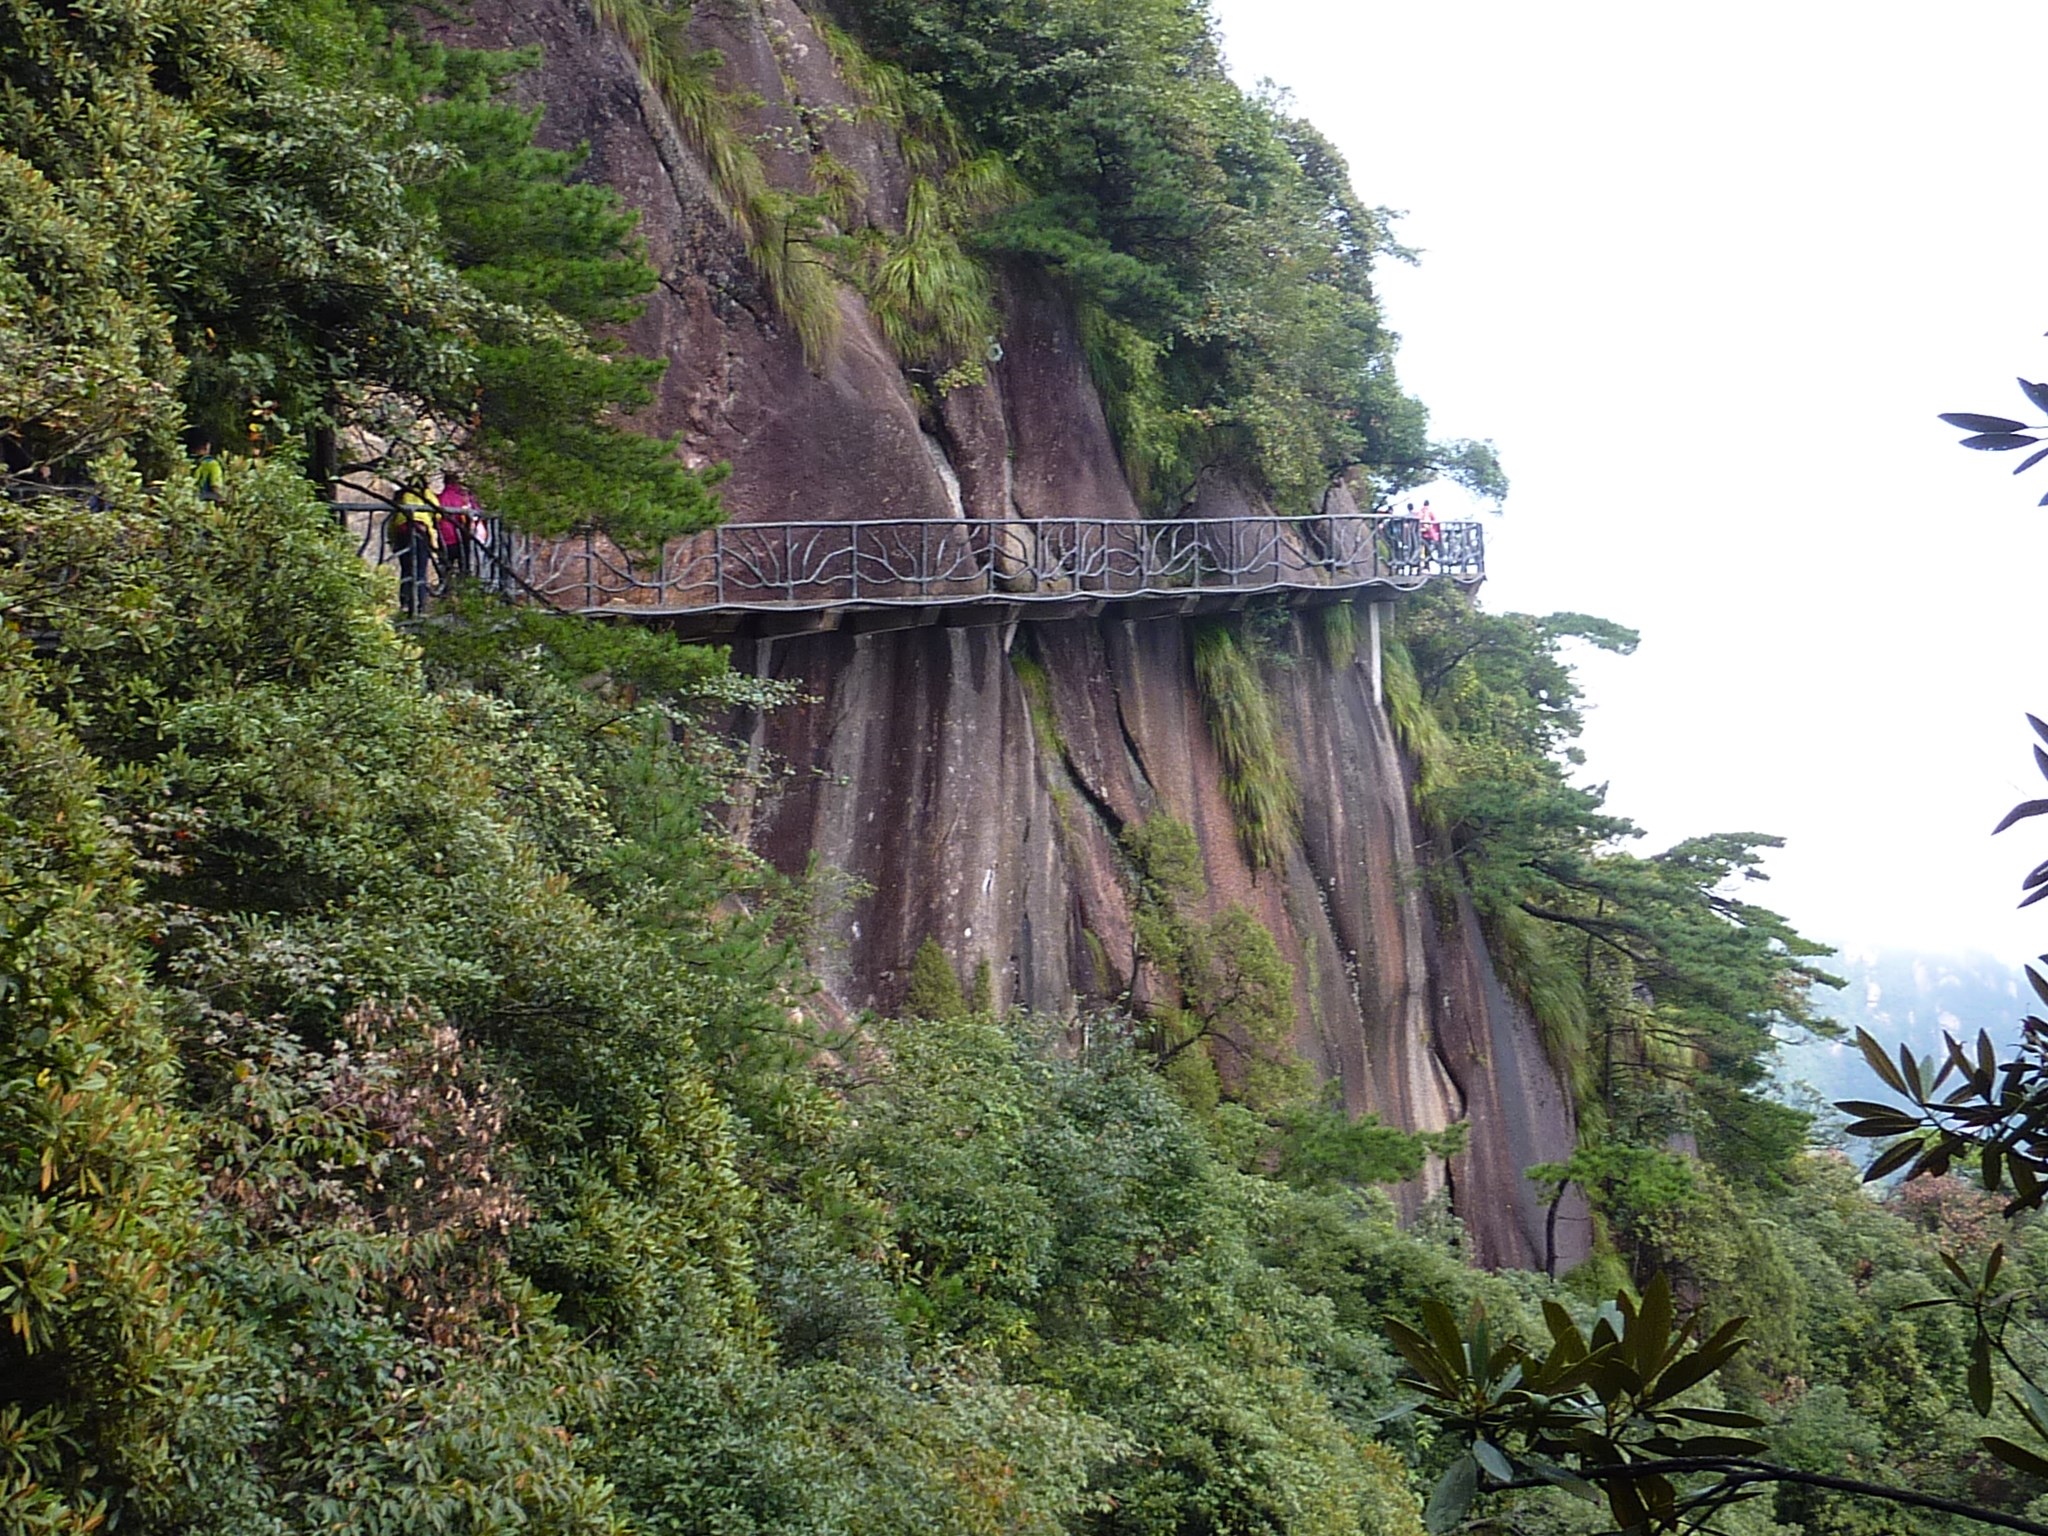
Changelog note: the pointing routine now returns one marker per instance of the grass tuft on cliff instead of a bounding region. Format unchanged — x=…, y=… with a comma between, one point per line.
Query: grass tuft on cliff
x=1340, y=634
x=776, y=225
x=1037, y=685
x=1263, y=796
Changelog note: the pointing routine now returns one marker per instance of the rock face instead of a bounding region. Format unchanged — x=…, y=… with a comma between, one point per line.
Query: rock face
x=923, y=774
x=920, y=771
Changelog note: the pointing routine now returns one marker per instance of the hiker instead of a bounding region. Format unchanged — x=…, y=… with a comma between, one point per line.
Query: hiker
x=458, y=529
x=412, y=531
x=208, y=480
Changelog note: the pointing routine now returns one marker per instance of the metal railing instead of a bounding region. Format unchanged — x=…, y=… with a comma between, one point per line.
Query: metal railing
x=488, y=555
x=915, y=561
x=908, y=562
x=897, y=562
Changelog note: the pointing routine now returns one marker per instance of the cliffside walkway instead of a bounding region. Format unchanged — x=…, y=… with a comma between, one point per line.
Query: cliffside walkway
x=888, y=573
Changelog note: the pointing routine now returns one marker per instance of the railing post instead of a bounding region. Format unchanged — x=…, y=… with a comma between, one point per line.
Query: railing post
x=924, y=558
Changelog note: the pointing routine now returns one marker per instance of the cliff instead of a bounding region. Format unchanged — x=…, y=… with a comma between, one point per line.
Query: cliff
x=975, y=781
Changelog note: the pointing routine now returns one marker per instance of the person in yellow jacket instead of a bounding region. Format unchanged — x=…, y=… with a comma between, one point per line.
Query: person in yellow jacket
x=208, y=482
x=410, y=531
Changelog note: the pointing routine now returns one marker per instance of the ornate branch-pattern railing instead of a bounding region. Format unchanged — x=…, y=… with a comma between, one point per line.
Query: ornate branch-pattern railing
x=888, y=562
x=891, y=562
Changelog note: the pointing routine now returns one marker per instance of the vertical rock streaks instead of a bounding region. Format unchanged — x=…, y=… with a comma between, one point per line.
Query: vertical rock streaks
x=920, y=770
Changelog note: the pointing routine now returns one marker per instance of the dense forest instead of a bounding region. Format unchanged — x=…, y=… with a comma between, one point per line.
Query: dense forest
x=413, y=1112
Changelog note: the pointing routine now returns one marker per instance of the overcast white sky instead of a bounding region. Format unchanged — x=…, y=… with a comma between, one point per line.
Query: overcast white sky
x=1706, y=275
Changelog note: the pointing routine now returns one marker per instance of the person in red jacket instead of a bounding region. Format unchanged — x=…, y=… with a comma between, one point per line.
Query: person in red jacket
x=458, y=529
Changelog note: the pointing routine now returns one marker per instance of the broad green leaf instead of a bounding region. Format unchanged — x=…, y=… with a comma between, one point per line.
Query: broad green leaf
x=1874, y=1053
x=1727, y=1418
x=1969, y=421
x=1892, y=1158
x=1652, y=1331
x=2021, y=812
x=1866, y=1108
x=1452, y=1496
x=1981, y=1390
x=1568, y=1342
x=1443, y=1332
x=1721, y=1445
x=1558, y=1476
x=2016, y=1455
x=2033, y=1405
x=1419, y=1354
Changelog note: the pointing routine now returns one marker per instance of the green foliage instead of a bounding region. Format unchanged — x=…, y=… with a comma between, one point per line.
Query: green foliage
x=544, y=447
x=1555, y=984
x=1071, y=1218
x=1256, y=776
x=929, y=295
x=101, y=1325
x=1971, y=1106
x=1979, y=1110
x=1597, y=1399
x=932, y=296
x=1037, y=686
x=1340, y=634
x=776, y=225
x=1322, y=1147
x=320, y=838
x=310, y=294
x=98, y=166
x=322, y=229
x=2002, y=434
x=438, y=1143
x=1222, y=261
x=362, y=1209
x=934, y=990
x=1658, y=988
x=410, y=1113
x=1235, y=991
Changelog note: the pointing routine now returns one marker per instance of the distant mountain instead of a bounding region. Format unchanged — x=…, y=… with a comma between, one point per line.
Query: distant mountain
x=1902, y=995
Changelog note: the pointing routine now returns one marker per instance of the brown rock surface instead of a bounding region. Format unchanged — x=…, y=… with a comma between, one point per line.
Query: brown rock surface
x=921, y=775
x=918, y=771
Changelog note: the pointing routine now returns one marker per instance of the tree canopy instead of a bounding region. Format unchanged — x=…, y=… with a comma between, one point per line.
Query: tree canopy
x=414, y=1110
x=271, y=225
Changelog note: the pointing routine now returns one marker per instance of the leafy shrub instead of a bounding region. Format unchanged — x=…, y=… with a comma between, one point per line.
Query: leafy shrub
x=934, y=991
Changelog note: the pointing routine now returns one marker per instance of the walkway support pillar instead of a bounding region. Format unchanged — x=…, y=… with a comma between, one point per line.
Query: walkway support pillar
x=1372, y=625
